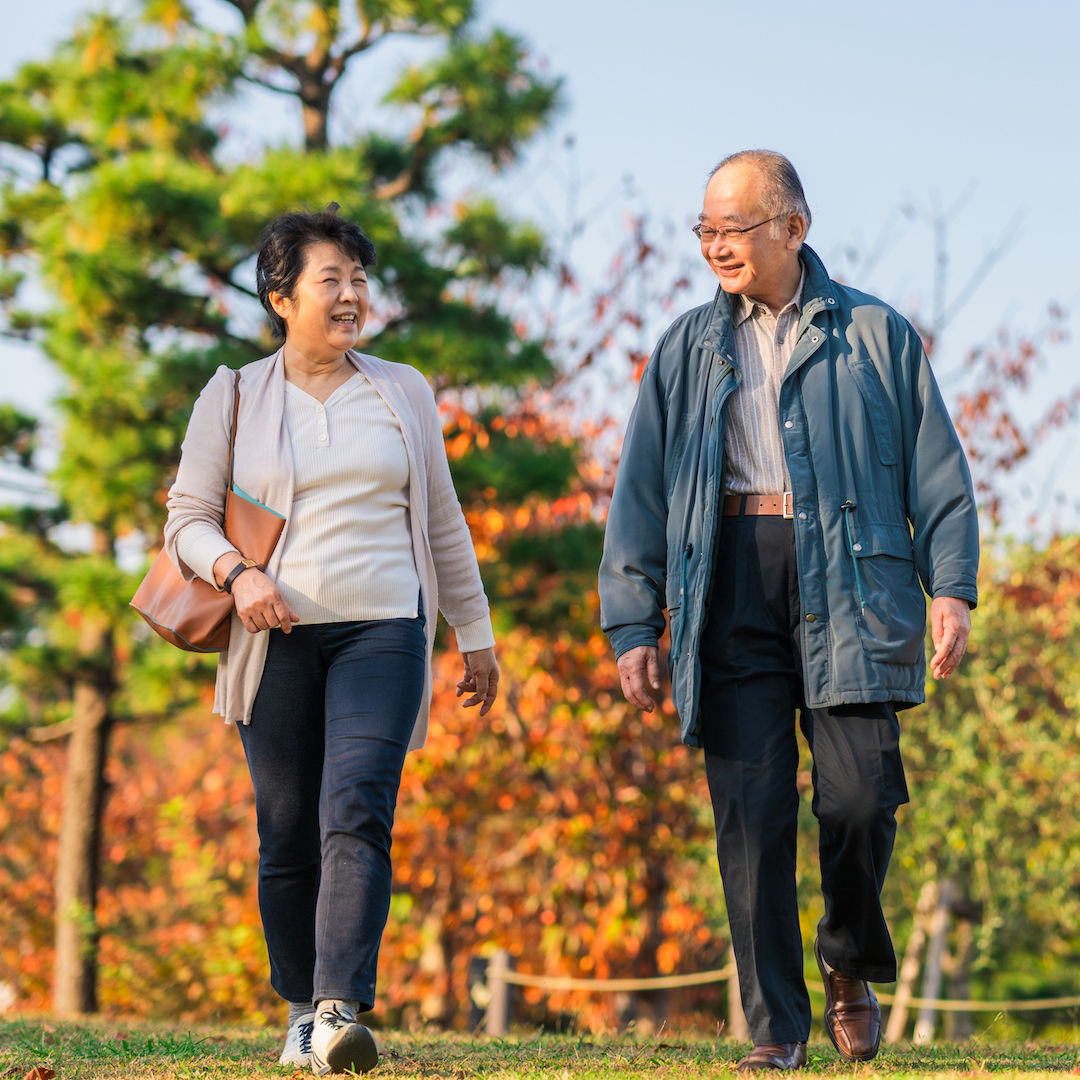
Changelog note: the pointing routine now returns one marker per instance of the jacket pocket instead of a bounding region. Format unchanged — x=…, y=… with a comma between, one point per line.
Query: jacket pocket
x=878, y=408
x=892, y=617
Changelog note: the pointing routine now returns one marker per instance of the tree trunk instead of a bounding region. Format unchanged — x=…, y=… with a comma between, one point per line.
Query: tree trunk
x=737, y=1027
x=909, y=970
x=935, y=954
x=315, y=101
x=960, y=1026
x=78, y=857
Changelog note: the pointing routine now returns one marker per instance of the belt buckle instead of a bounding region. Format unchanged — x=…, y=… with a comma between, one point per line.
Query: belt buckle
x=789, y=505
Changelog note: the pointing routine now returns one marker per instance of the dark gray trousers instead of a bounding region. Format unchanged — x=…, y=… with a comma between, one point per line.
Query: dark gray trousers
x=751, y=687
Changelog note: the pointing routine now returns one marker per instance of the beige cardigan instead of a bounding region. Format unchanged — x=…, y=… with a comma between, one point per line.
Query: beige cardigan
x=442, y=547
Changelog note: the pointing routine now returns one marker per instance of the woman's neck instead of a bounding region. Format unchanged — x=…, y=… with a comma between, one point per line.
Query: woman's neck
x=315, y=376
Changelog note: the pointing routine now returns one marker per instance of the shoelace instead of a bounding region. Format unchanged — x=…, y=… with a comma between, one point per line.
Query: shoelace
x=306, y=1031
x=335, y=1017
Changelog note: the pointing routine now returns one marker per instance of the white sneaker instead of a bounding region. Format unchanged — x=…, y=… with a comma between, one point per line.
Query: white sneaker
x=339, y=1043
x=298, y=1042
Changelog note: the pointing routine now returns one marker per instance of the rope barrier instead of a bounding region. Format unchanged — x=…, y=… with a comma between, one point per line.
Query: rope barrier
x=566, y=982
x=971, y=1004
x=701, y=978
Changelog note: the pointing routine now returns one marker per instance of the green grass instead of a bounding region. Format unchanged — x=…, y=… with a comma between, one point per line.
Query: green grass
x=159, y=1052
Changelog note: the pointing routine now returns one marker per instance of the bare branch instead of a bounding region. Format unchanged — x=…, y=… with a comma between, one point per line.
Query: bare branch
x=986, y=264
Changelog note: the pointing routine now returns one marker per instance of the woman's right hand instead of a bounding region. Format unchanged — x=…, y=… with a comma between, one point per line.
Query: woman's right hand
x=258, y=601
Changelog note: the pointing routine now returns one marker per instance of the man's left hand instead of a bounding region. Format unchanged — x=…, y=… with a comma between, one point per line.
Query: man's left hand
x=950, y=624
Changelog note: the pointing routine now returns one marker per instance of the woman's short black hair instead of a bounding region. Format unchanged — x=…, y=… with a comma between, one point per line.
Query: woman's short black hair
x=283, y=252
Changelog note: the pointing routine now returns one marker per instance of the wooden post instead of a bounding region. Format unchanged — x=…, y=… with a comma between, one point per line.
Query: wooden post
x=909, y=969
x=737, y=1027
x=479, y=994
x=939, y=927
x=497, y=1020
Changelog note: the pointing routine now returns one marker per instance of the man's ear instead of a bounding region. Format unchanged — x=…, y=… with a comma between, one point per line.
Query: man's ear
x=796, y=225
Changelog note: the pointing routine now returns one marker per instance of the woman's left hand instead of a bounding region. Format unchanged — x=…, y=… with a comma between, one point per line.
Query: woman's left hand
x=481, y=679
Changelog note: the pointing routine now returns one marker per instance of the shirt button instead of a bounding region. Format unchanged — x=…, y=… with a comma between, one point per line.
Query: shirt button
x=322, y=436
x=780, y=340
x=789, y=423
x=802, y=516
x=809, y=618
x=319, y=408
x=322, y=422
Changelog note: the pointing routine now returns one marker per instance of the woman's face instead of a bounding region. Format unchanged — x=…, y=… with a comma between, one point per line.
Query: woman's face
x=327, y=313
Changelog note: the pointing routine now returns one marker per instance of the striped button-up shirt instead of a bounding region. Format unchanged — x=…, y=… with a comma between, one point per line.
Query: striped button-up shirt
x=753, y=445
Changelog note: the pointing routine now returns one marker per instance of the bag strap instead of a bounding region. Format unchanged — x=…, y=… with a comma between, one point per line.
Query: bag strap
x=232, y=446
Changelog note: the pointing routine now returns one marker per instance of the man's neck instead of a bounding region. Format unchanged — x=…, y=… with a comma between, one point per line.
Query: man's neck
x=779, y=295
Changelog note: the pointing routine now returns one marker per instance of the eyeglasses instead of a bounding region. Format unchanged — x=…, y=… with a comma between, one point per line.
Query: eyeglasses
x=730, y=233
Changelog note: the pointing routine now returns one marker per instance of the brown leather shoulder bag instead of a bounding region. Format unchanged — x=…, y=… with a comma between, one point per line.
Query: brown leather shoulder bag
x=193, y=615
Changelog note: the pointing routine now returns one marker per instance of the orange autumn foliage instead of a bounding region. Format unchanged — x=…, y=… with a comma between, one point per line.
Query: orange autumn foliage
x=564, y=827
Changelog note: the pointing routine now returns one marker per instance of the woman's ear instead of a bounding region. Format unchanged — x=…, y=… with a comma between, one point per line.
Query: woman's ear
x=281, y=304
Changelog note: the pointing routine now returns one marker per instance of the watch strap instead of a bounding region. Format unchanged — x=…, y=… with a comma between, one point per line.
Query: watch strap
x=236, y=571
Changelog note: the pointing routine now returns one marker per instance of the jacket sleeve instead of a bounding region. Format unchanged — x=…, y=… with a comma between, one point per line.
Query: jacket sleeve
x=194, y=536
x=461, y=592
x=940, y=499
x=633, y=571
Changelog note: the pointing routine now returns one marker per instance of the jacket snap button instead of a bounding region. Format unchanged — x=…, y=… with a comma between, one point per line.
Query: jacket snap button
x=789, y=423
x=809, y=618
x=856, y=547
x=802, y=516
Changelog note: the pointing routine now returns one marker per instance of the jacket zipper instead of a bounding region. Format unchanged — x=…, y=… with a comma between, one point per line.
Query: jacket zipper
x=847, y=508
x=687, y=552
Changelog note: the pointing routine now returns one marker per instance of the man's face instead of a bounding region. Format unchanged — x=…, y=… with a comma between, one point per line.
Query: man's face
x=757, y=264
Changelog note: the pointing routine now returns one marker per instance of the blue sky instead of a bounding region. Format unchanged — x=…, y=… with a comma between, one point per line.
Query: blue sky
x=879, y=106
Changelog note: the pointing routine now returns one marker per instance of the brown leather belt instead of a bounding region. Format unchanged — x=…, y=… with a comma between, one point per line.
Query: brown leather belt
x=777, y=505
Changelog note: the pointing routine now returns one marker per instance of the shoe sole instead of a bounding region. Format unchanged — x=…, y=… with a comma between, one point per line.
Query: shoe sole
x=828, y=1030
x=354, y=1050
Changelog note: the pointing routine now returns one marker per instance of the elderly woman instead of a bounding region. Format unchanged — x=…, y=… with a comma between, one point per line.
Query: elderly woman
x=328, y=670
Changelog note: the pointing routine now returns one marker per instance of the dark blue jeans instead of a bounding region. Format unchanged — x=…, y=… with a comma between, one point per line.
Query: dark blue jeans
x=329, y=731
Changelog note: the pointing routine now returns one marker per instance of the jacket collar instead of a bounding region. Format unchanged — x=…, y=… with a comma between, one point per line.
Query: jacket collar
x=818, y=293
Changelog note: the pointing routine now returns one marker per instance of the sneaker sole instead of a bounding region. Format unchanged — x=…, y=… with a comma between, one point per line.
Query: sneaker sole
x=354, y=1050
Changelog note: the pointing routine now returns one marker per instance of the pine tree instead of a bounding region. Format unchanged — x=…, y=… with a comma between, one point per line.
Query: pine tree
x=119, y=203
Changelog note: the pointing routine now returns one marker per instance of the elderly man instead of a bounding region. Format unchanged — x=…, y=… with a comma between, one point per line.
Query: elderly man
x=790, y=484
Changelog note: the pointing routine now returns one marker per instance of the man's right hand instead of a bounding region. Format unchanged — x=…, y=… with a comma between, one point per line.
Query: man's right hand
x=258, y=601
x=637, y=668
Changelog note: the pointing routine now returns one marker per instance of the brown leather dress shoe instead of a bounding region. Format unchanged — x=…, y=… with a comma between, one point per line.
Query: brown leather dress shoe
x=782, y=1056
x=852, y=1013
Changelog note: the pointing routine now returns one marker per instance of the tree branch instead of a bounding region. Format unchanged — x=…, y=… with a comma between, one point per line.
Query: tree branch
x=66, y=727
x=245, y=7
x=292, y=92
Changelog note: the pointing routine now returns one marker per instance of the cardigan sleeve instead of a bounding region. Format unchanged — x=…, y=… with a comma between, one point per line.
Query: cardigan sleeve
x=461, y=591
x=194, y=537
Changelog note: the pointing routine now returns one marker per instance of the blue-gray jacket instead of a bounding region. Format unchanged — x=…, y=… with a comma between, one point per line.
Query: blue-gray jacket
x=882, y=497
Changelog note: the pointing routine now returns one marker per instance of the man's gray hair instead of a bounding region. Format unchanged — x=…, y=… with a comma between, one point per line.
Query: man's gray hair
x=782, y=192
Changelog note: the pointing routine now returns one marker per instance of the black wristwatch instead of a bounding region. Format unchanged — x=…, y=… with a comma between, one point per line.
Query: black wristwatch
x=236, y=571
